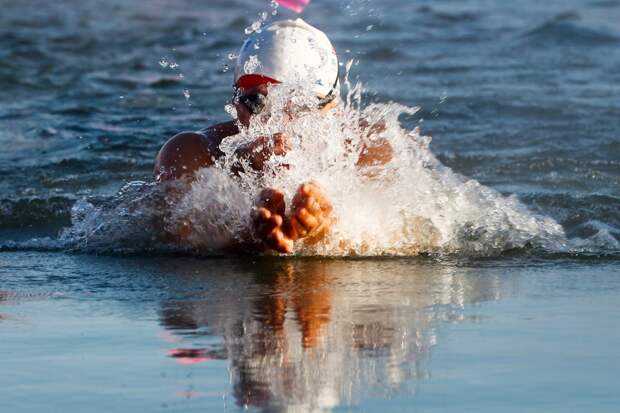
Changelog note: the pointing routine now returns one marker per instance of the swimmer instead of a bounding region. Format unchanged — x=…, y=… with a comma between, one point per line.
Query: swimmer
x=287, y=50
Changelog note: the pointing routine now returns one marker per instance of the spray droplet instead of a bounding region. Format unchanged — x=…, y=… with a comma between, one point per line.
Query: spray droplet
x=173, y=65
x=369, y=27
x=230, y=109
x=164, y=62
x=251, y=65
x=187, y=94
x=232, y=56
x=443, y=97
x=254, y=28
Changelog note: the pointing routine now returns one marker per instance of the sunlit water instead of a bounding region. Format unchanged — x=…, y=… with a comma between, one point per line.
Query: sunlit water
x=514, y=148
x=507, y=180
x=155, y=334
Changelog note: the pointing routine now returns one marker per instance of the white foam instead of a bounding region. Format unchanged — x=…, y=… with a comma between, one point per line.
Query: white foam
x=412, y=204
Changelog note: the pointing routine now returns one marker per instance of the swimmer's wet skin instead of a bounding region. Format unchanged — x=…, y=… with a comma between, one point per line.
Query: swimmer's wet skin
x=284, y=51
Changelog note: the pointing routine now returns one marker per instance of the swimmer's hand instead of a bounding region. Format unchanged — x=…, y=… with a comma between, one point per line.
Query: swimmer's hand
x=262, y=148
x=268, y=217
x=310, y=215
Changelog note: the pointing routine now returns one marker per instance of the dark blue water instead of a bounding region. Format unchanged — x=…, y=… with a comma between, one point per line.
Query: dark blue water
x=522, y=96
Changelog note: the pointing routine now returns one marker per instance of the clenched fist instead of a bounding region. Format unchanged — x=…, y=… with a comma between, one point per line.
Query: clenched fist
x=269, y=217
x=310, y=215
x=310, y=218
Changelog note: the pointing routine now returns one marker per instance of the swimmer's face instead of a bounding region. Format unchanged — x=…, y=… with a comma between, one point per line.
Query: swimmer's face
x=252, y=101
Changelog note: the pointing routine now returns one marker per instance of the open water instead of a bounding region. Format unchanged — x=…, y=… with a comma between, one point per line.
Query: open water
x=513, y=305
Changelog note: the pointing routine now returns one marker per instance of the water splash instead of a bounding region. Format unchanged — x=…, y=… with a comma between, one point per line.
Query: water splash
x=410, y=205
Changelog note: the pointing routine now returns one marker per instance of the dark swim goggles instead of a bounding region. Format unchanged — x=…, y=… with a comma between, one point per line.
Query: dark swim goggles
x=256, y=102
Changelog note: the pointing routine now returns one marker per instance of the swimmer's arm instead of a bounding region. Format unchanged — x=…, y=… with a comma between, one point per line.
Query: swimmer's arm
x=375, y=150
x=259, y=151
x=179, y=159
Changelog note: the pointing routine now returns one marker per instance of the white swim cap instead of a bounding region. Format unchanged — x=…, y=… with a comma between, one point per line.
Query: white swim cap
x=288, y=51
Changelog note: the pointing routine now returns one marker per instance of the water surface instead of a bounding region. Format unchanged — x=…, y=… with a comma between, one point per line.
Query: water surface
x=521, y=97
x=94, y=334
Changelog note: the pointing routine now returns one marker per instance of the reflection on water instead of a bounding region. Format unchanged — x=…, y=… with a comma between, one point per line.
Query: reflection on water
x=311, y=335
x=3, y=298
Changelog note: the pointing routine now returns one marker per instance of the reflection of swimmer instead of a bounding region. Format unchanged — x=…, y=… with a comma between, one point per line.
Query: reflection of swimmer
x=286, y=347
x=268, y=340
x=285, y=51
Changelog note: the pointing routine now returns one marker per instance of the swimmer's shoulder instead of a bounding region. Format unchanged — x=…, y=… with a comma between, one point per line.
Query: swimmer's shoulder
x=186, y=152
x=207, y=139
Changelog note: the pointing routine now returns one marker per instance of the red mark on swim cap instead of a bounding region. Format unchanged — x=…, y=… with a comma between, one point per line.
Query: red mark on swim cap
x=248, y=81
x=296, y=5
